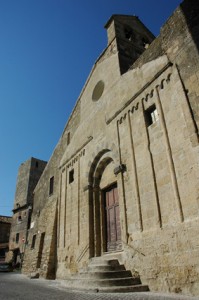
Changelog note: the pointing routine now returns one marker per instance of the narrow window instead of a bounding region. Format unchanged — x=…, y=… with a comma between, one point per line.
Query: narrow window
x=33, y=241
x=151, y=115
x=51, y=186
x=71, y=176
x=128, y=33
x=36, y=164
x=17, y=238
x=19, y=219
x=68, y=138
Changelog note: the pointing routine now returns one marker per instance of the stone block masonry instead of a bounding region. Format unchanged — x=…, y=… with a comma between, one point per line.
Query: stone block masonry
x=124, y=174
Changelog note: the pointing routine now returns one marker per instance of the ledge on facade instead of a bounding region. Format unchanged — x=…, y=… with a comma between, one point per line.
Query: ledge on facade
x=21, y=207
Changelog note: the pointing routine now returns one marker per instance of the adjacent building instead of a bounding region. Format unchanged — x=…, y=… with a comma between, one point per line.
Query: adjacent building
x=5, y=224
x=124, y=176
x=28, y=177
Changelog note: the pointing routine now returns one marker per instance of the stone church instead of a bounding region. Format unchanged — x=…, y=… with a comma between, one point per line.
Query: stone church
x=121, y=187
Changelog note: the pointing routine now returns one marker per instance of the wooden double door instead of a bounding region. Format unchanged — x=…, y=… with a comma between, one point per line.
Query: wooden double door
x=112, y=219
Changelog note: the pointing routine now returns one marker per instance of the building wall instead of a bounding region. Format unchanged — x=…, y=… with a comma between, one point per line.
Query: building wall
x=28, y=176
x=179, y=40
x=44, y=211
x=5, y=229
x=5, y=224
x=113, y=140
x=19, y=230
x=162, y=201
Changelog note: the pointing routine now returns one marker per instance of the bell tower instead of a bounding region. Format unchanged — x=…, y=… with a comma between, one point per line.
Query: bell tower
x=131, y=38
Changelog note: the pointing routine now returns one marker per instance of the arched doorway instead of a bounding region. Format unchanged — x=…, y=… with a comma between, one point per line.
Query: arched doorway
x=104, y=213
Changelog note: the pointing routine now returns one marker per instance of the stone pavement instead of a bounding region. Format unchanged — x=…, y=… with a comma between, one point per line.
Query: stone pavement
x=70, y=294
x=90, y=294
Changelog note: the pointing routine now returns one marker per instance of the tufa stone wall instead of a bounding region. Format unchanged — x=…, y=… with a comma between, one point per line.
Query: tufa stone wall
x=28, y=176
x=135, y=132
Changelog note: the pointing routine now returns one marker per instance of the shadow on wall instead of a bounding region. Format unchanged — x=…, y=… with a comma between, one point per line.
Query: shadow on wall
x=190, y=9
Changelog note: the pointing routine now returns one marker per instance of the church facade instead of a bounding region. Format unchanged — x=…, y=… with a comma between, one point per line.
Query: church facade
x=123, y=178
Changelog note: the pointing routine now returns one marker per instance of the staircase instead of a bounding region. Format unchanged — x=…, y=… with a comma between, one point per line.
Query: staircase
x=106, y=275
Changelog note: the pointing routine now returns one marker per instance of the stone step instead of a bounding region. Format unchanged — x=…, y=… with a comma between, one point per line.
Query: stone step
x=104, y=261
x=113, y=289
x=105, y=268
x=106, y=274
x=90, y=286
x=108, y=282
x=114, y=255
x=124, y=289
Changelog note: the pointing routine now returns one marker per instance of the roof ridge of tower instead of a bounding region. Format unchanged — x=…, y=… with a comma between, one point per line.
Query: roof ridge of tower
x=118, y=15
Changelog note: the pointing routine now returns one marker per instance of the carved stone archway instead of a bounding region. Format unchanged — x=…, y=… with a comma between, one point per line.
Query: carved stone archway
x=97, y=241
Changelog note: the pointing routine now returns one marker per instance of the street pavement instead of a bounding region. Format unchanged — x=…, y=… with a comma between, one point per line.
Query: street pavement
x=15, y=286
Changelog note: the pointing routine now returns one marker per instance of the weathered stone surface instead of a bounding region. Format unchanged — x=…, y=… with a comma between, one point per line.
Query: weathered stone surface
x=138, y=134
x=28, y=176
x=5, y=224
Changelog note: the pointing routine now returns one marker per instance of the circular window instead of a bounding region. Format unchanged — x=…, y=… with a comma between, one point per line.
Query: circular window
x=98, y=90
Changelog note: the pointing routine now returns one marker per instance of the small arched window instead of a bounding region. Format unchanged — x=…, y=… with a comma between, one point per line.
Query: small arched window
x=128, y=32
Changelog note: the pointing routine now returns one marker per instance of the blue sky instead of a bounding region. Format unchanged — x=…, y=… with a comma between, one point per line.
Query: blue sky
x=47, y=50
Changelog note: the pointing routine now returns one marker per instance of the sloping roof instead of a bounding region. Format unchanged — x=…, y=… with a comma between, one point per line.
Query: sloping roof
x=116, y=16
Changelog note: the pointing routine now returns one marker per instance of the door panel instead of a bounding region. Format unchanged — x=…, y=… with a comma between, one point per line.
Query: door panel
x=113, y=219
x=118, y=232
